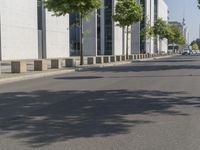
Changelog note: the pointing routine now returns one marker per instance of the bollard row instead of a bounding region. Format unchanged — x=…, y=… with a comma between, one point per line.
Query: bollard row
x=42, y=64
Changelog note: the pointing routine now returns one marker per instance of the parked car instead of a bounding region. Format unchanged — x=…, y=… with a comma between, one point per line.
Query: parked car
x=186, y=52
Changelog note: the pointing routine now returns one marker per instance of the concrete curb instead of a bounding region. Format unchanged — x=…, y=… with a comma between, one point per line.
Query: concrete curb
x=33, y=76
x=154, y=58
x=22, y=77
x=85, y=67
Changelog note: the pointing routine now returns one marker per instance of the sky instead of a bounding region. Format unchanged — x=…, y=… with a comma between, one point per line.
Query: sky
x=187, y=9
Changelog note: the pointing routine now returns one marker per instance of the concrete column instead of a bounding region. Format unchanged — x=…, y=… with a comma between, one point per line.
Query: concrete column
x=18, y=67
x=40, y=65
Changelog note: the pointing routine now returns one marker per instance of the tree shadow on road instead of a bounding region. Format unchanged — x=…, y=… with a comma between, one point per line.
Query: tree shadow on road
x=44, y=117
x=144, y=68
x=179, y=63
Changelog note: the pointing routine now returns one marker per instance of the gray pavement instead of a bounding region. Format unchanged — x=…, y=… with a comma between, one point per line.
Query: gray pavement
x=7, y=77
x=152, y=105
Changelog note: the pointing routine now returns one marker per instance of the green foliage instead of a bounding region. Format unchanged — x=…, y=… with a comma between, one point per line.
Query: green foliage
x=63, y=7
x=160, y=28
x=195, y=46
x=175, y=35
x=199, y=4
x=127, y=12
x=147, y=31
x=197, y=41
x=82, y=7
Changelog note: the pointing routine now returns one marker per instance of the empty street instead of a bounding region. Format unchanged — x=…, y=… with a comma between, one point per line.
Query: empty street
x=149, y=105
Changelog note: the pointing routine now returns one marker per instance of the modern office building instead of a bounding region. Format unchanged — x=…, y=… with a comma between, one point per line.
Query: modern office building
x=28, y=31
x=153, y=9
x=163, y=13
x=102, y=36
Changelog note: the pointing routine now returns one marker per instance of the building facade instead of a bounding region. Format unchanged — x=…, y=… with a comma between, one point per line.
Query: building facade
x=153, y=9
x=28, y=31
x=101, y=34
x=163, y=13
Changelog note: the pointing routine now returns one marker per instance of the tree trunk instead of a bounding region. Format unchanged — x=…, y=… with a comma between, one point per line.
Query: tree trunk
x=123, y=40
x=173, y=47
x=127, y=42
x=81, y=39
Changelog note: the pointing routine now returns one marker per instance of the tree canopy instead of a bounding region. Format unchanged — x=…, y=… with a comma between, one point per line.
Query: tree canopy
x=63, y=7
x=195, y=46
x=82, y=7
x=127, y=12
x=160, y=28
x=147, y=31
x=199, y=4
x=175, y=35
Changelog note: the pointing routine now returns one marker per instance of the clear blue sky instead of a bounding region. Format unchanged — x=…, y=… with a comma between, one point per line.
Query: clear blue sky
x=188, y=9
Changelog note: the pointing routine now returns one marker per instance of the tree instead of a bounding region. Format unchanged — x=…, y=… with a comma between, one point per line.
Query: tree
x=147, y=32
x=197, y=41
x=160, y=29
x=175, y=35
x=195, y=46
x=199, y=4
x=83, y=7
x=127, y=13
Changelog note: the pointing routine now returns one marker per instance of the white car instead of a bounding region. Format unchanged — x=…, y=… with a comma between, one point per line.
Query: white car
x=186, y=52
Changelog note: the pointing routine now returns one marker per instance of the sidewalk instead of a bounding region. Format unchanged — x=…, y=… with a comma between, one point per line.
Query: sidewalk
x=7, y=77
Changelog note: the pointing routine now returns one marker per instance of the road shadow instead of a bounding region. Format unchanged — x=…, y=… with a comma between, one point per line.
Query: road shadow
x=173, y=60
x=44, y=117
x=79, y=78
x=177, y=63
x=144, y=68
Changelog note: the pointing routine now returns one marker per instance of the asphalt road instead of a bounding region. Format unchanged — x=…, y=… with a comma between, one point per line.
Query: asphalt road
x=152, y=105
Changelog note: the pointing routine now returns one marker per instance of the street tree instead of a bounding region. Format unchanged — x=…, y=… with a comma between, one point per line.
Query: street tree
x=195, y=46
x=197, y=41
x=175, y=35
x=82, y=7
x=160, y=29
x=147, y=32
x=127, y=13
